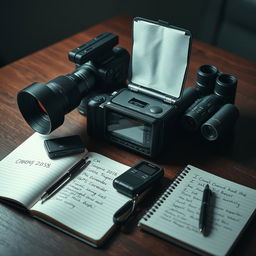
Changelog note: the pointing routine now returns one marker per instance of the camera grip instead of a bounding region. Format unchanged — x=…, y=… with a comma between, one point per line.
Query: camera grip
x=95, y=115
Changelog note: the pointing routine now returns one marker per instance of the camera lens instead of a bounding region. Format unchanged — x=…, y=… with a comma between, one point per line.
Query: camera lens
x=225, y=87
x=221, y=122
x=206, y=77
x=44, y=106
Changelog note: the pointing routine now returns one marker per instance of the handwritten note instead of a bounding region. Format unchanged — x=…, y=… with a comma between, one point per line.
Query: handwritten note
x=225, y=215
x=87, y=203
x=90, y=189
x=178, y=216
x=23, y=162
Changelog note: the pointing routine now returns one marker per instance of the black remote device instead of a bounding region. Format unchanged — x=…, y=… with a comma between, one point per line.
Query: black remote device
x=138, y=178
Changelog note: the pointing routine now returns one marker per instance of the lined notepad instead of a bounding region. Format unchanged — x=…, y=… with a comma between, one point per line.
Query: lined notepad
x=83, y=208
x=175, y=215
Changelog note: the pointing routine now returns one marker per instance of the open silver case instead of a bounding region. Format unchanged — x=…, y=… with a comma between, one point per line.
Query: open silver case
x=143, y=116
x=159, y=60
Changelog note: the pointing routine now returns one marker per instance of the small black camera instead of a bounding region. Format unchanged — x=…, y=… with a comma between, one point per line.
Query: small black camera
x=144, y=116
x=100, y=67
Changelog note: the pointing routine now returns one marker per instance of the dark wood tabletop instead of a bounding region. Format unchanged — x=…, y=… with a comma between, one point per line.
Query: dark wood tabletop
x=234, y=159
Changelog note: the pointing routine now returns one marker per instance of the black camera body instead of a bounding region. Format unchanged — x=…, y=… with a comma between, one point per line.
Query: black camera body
x=136, y=121
x=143, y=117
x=109, y=64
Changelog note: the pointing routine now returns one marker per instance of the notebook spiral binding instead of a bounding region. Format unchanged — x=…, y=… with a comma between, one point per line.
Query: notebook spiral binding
x=166, y=193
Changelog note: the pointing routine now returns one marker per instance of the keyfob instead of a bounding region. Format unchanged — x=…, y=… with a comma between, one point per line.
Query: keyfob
x=138, y=178
x=64, y=146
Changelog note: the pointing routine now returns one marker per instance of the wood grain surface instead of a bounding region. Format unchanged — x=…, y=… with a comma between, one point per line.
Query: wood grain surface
x=235, y=159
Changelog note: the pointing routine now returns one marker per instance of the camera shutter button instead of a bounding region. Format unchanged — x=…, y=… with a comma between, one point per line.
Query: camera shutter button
x=99, y=98
x=156, y=110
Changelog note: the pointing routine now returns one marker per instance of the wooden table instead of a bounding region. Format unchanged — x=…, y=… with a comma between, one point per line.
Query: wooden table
x=22, y=235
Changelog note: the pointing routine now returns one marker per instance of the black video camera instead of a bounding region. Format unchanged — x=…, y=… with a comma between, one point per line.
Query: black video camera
x=100, y=67
x=213, y=113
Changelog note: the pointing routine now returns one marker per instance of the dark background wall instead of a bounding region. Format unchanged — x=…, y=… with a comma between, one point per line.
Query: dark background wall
x=29, y=25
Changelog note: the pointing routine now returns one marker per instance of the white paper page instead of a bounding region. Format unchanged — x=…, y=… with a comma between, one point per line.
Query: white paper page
x=88, y=202
x=178, y=216
x=28, y=171
x=160, y=56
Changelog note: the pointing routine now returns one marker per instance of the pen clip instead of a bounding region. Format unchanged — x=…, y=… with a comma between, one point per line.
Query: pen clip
x=86, y=163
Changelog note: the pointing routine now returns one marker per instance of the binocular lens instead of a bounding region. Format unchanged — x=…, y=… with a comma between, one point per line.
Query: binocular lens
x=221, y=122
x=209, y=132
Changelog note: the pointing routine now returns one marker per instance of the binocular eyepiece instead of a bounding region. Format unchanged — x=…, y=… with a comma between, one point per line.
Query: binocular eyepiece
x=210, y=80
x=214, y=113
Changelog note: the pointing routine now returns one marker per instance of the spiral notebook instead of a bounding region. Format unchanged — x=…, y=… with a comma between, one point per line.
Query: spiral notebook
x=175, y=215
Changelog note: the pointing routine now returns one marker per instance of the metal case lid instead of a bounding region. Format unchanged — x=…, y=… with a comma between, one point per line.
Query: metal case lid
x=160, y=57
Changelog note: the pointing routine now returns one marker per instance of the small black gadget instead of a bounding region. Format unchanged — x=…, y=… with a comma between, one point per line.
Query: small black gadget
x=138, y=178
x=64, y=146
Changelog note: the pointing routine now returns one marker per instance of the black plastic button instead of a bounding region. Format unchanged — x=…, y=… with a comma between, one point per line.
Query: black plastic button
x=156, y=110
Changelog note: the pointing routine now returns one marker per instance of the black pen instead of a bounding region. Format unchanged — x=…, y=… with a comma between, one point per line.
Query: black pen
x=64, y=179
x=204, y=208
